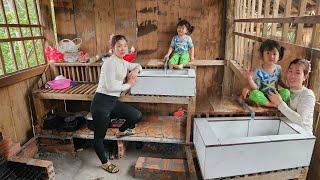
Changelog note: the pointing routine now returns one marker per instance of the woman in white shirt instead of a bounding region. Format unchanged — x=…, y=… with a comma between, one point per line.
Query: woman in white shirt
x=105, y=103
x=302, y=100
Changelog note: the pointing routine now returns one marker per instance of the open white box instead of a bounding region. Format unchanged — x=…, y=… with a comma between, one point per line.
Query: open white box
x=230, y=146
x=161, y=82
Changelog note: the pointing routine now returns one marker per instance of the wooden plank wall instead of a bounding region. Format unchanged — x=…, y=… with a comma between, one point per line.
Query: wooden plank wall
x=149, y=25
x=15, y=110
x=16, y=121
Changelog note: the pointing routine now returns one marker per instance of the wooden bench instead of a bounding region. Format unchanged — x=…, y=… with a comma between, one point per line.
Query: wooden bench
x=86, y=77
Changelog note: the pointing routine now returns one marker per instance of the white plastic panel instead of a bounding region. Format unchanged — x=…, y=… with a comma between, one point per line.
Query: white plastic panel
x=272, y=145
x=175, y=83
x=285, y=129
x=264, y=127
x=224, y=161
x=229, y=129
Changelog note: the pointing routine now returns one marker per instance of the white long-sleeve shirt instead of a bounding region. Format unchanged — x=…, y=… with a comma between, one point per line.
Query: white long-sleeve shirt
x=301, y=108
x=113, y=74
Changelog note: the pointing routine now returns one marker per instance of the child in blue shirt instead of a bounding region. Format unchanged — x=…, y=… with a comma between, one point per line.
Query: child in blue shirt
x=181, y=44
x=266, y=78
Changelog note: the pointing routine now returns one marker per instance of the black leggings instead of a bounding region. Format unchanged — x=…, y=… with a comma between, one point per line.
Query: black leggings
x=105, y=107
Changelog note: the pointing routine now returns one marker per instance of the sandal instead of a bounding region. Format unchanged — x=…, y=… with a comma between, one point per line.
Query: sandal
x=127, y=132
x=111, y=168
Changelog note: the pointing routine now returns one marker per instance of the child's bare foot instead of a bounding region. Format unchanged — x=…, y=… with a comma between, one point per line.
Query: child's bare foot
x=160, y=63
x=191, y=63
x=178, y=66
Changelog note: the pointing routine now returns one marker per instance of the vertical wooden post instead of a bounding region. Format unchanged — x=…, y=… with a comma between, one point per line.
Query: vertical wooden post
x=229, y=48
x=236, y=29
x=46, y=21
x=251, y=42
x=275, y=15
x=315, y=31
x=259, y=16
x=287, y=12
x=266, y=15
x=314, y=82
x=302, y=11
x=247, y=41
x=190, y=112
x=243, y=28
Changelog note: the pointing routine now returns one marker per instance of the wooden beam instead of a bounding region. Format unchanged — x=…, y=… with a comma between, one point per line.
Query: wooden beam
x=29, y=22
x=266, y=15
x=21, y=43
x=9, y=36
x=261, y=39
x=190, y=163
x=45, y=19
x=302, y=11
x=123, y=98
x=275, y=15
x=317, y=107
x=20, y=25
x=246, y=58
x=316, y=31
x=21, y=39
x=209, y=62
x=243, y=28
x=314, y=82
x=77, y=64
x=253, y=15
x=229, y=48
x=287, y=12
x=300, y=19
x=299, y=173
x=259, y=16
x=2, y=65
x=238, y=71
x=13, y=78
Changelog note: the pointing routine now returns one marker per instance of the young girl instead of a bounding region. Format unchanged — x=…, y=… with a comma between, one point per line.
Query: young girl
x=105, y=103
x=181, y=44
x=266, y=78
x=301, y=105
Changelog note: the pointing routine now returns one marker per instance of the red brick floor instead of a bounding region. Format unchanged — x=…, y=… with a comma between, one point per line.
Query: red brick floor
x=152, y=126
x=158, y=168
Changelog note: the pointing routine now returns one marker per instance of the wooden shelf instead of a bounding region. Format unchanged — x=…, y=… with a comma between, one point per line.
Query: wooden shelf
x=86, y=91
x=228, y=106
x=161, y=129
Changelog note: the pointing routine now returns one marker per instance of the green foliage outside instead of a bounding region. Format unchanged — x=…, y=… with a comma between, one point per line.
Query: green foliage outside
x=33, y=50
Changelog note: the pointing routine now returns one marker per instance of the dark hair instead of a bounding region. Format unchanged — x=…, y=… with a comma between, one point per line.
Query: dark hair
x=116, y=38
x=187, y=24
x=306, y=65
x=269, y=45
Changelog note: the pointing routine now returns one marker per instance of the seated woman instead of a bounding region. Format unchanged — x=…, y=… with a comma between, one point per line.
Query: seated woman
x=302, y=100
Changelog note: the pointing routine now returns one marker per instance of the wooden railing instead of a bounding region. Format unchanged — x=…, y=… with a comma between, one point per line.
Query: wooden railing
x=256, y=20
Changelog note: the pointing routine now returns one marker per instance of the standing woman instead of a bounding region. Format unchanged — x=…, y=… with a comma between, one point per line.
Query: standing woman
x=302, y=100
x=114, y=72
